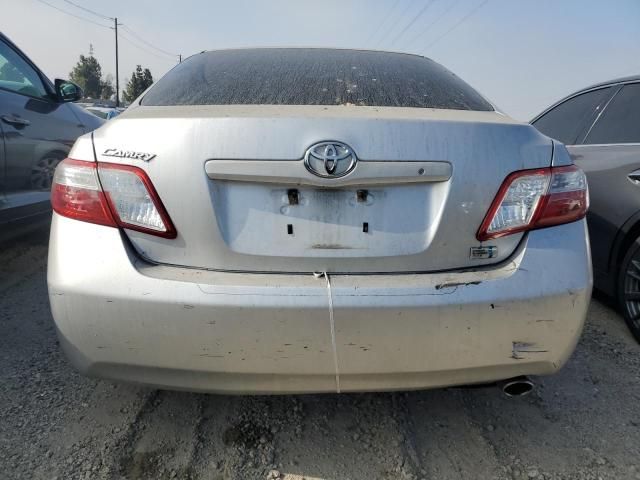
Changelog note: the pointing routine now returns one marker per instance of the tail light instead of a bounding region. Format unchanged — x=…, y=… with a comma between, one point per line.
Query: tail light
x=109, y=194
x=538, y=198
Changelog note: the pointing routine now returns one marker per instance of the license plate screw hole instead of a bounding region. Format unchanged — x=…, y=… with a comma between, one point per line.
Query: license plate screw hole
x=293, y=196
x=421, y=171
x=290, y=229
x=365, y=227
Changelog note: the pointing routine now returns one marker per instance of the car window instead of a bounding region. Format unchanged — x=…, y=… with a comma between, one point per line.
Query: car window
x=620, y=122
x=18, y=76
x=313, y=76
x=567, y=120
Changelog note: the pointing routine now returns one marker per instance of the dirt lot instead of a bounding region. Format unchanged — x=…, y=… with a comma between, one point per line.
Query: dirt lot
x=583, y=423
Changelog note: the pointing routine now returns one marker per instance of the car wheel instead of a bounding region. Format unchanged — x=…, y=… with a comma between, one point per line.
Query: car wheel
x=629, y=288
x=42, y=172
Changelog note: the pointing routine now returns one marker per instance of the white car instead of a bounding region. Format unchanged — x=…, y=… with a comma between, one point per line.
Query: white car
x=317, y=220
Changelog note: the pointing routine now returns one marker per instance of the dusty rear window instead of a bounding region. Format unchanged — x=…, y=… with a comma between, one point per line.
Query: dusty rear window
x=284, y=76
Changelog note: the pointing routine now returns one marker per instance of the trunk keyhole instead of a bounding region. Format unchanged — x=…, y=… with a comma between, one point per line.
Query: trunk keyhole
x=290, y=229
x=365, y=227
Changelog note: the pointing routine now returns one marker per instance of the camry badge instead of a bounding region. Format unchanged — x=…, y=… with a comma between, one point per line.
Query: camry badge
x=330, y=159
x=115, y=152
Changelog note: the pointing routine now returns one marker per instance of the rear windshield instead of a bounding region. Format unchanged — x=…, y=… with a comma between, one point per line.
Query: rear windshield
x=282, y=76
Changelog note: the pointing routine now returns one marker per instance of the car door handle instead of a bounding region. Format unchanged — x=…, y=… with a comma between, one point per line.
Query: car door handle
x=13, y=120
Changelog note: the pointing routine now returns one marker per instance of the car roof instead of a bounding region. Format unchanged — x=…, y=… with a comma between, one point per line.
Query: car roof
x=629, y=79
x=608, y=83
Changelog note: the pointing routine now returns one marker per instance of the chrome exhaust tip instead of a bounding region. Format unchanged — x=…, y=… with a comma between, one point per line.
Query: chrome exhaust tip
x=517, y=386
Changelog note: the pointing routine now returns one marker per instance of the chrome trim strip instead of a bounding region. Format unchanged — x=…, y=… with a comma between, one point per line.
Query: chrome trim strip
x=294, y=172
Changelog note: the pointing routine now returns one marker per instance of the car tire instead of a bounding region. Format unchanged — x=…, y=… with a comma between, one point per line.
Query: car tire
x=42, y=171
x=629, y=288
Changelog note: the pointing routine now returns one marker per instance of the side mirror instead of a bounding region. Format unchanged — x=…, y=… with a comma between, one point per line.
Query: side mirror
x=67, y=91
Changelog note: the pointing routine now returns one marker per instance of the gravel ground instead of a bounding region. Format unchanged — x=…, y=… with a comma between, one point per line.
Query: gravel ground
x=583, y=423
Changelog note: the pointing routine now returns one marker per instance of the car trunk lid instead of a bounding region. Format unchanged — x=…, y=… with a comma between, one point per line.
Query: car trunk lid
x=234, y=181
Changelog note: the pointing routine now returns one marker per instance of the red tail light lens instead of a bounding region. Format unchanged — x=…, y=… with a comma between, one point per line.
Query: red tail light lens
x=568, y=197
x=110, y=194
x=539, y=198
x=76, y=193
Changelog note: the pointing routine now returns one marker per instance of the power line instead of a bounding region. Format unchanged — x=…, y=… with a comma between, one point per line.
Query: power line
x=115, y=28
x=87, y=10
x=384, y=20
x=460, y=22
x=131, y=41
x=144, y=49
x=125, y=27
x=134, y=34
x=71, y=14
x=409, y=5
x=140, y=46
x=433, y=22
x=415, y=18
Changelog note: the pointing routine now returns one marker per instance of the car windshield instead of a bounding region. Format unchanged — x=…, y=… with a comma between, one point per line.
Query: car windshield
x=306, y=76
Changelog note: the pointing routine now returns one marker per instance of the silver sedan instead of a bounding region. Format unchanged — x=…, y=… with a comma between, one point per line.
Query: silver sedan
x=317, y=220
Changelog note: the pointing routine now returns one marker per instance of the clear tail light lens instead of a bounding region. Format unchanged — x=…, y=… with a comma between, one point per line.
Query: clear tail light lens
x=521, y=195
x=538, y=198
x=110, y=194
x=133, y=200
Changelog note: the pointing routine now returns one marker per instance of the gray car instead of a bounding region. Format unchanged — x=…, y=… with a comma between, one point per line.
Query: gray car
x=317, y=220
x=38, y=127
x=601, y=127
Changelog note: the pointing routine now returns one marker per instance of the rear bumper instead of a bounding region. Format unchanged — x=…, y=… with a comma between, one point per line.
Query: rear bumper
x=121, y=318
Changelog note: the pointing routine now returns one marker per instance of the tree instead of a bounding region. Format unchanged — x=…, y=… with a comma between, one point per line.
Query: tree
x=88, y=74
x=106, y=88
x=139, y=82
x=147, y=78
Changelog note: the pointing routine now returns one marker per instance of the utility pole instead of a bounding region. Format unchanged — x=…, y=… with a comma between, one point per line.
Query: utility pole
x=115, y=24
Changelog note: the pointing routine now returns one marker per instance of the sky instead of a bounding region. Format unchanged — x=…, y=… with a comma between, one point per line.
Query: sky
x=521, y=54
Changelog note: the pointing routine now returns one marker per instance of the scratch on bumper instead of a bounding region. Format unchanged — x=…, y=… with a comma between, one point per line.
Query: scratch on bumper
x=520, y=349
